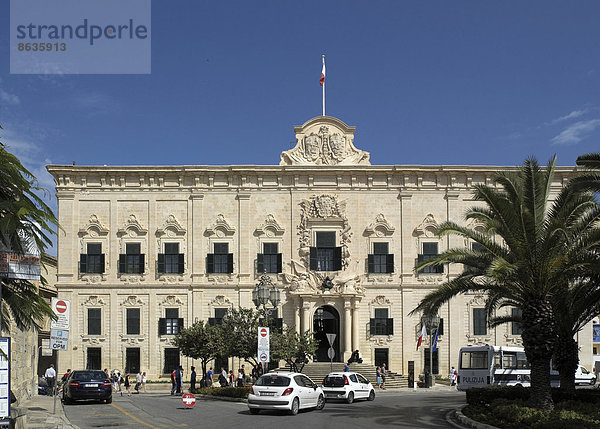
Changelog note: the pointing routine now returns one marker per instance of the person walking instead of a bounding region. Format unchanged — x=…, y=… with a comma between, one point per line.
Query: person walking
x=243, y=373
x=223, y=377
x=346, y=368
x=193, y=379
x=138, y=381
x=50, y=377
x=173, y=385
x=119, y=382
x=209, y=378
x=179, y=380
x=378, y=375
x=144, y=380
x=231, y=379
x=127, y=385
x=453, y=376
x=383, y=375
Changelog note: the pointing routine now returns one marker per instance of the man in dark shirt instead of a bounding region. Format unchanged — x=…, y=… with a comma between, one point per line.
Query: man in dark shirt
x=193, y=379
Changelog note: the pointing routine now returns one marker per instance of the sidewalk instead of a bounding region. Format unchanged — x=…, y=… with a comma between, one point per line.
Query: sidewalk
x=36, y=413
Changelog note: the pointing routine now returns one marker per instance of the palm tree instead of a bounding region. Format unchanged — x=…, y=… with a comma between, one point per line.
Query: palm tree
x=22, y=214
x=521, y=259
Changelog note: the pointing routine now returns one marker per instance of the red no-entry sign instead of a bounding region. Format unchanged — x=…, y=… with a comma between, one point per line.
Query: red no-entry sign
x=263, y=332
x=188, y=400
x=61, y=306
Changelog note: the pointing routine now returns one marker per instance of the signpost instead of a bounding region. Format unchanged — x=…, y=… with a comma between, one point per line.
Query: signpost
x=331, y=351
x=59, y=329
x=4, y=377
x=263, y=345
x=59, y=339
x=188, y=400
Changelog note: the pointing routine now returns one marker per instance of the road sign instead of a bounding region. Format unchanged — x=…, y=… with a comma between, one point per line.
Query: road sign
x=331, y=339
x=188, y=400
x=331, y=353
x=59, y=339
x=263, y=344
x=62, y=310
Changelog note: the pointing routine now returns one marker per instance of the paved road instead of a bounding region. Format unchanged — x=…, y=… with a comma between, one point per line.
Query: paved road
x=404, y=409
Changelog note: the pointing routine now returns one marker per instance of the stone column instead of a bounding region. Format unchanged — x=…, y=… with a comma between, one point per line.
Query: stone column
x=195, y=260
x=355, y=327
x=244, y=266
x=297, y=327
x=347, y=331
x=306, y=316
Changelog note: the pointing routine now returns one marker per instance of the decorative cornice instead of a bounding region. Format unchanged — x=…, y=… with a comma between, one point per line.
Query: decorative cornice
x=170, y=227
x=427, y=227
x=93, y=300
x=220, y=227
x=380, y=227
x=131, y=225
x=93, y=228
x=270, y=227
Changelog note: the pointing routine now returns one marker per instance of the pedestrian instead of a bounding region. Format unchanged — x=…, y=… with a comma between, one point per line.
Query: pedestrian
x=179, y=380
x=106, y=373
x=378, y=374
x=50, y=377
x=119, y=382
x=144, y=380
x=453, y=376
x=63, y=380
x=346, y=368
x=127, y=385
x=243, y=372
x=173, y=385
x=138, y=381
x=209, y=378
x=231, y=379
x=223, y=377
x=113, y=379
x=254, y=374
x=193, y=379
x=383, y=374
x=240, y=379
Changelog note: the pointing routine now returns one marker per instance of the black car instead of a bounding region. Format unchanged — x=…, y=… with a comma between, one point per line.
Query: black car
x=87, y=385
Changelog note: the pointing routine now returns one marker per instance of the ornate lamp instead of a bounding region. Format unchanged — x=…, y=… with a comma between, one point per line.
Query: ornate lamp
x=265, y=291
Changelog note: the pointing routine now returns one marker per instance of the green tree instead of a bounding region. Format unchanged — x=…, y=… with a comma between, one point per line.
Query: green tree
x=521, y=259
x=23, y=214
x=241, y=334
x=202, y=342
x=293, y=348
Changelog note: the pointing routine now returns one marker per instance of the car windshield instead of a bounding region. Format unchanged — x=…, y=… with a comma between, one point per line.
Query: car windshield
x=272, y=380
x=334, y=381
x=88, y=375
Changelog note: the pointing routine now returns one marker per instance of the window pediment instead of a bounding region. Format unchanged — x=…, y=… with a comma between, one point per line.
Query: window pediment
x=380, y=227
x=93, y=228
x=170, y=227
x=270, y=227
x=220, y=227
x=132, y=227
x=427, y=227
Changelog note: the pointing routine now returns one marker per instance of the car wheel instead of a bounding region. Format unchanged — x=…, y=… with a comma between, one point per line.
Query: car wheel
x=593, y=381
x=109, y=400
x=254, y=411
x=320, y=402
x=371, y=396
x=295, y=407
x=350, y=398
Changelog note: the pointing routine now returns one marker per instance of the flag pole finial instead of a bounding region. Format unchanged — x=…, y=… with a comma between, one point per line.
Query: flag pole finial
x=322, y=81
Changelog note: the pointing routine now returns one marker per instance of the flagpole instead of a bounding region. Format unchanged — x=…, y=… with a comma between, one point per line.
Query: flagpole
x=323, y=88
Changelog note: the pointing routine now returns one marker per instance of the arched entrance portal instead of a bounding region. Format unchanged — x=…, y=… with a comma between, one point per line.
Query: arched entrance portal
x=326, y=321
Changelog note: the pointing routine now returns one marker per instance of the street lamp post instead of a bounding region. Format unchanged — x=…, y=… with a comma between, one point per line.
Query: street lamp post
x=431, y=322
x=264, y=292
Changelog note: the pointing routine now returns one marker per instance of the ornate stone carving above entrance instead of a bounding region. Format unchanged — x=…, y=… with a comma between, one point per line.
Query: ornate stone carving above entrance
x=324, y=140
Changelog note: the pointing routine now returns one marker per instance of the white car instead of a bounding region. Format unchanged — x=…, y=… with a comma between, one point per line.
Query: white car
x=347, y=386
x=583, y=376
x=289, y=391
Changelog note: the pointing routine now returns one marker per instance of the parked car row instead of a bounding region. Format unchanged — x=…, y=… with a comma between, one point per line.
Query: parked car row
x=292, y=391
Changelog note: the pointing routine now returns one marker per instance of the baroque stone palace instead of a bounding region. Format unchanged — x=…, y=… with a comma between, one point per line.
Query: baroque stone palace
x=149, y=249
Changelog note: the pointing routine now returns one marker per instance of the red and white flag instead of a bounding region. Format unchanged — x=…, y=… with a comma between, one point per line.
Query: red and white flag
x=421, y=336
x=322, y=80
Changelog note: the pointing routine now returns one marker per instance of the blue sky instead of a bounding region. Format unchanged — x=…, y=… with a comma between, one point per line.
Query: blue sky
x=436, y=82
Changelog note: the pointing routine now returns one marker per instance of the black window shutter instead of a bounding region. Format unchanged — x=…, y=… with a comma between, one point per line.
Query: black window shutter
x=313, y=259
x=142, y=263
x=161, y=263
x=441, y=327
x=390, y=327
x=102, y=263
x=122, y=263
x=181, y=263
x=230, y=263
x=372, y=327
x=212, y=321
x=179, y=324
x=279, y=264
x=439, y=269
x=337, y=259
x=390, y=263
x=83, y=263
x=260, y=263
x=162, y=326
x=371, y=263
x=210, y=263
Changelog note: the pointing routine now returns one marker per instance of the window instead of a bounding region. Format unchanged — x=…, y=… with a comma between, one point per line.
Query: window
x=474, y=360
x=380, y=261
x=326, y=256
x=516, y=327
x=270, y=260
x=94, y=321
x=94, y=360
x=220, y=313
x=381, y=324
x=430, y=251
x=92, y=262
x=132, y=360
x=479, y=321
x=171, y=360
x=133, y=321
x=353, y=378
x=514, y=360
x=171, y=324
x=132, y=262
x=171, y=262
x=221, y=261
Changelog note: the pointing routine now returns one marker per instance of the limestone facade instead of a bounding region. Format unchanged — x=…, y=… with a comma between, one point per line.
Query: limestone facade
x=324, y=185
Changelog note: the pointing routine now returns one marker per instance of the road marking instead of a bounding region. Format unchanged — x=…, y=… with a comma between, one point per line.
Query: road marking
x=134, y=417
